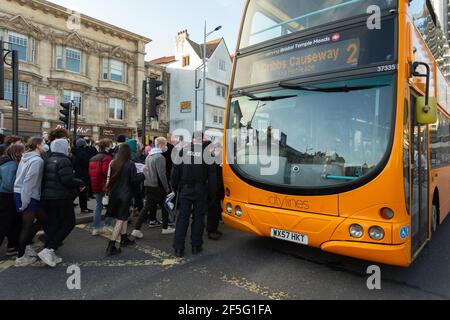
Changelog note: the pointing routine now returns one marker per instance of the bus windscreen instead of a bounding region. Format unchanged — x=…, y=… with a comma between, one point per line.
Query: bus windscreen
x=270, y=19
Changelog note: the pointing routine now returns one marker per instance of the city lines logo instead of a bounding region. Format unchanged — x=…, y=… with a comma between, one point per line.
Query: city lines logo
x=289, y=203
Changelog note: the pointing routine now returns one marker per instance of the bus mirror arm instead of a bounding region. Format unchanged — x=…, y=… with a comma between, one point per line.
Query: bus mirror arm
x=415, y=73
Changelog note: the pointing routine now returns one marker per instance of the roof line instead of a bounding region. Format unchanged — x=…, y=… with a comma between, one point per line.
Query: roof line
x=107, y=25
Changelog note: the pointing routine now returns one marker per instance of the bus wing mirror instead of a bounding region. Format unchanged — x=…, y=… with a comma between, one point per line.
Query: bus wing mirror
x=426, y=113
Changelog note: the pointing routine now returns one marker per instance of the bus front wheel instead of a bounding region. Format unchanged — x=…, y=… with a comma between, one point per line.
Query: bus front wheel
x=434, y=218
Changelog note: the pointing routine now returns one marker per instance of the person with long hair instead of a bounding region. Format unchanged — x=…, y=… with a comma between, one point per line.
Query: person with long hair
x=59, y=189
x=10, y=221
x=27, y=195
x=123, y=177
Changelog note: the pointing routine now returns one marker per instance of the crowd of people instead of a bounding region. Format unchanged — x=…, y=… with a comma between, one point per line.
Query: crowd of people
x=41, y=178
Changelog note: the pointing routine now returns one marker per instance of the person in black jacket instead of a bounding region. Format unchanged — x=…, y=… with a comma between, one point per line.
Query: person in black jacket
x=195, y=180
x=59, y=189
x=215, y=205
x=123, y=178
x=80, y=159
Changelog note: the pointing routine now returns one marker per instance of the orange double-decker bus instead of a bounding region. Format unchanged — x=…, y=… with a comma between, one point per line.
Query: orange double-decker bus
x=338, y=128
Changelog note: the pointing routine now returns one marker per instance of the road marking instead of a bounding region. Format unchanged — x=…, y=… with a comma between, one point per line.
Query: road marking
x=106, y=263
x=163, y=258
x=255, y=288
x=5, y=265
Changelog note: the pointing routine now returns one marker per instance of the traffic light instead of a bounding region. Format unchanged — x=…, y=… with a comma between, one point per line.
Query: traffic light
x=155, y=97
x=65, y=114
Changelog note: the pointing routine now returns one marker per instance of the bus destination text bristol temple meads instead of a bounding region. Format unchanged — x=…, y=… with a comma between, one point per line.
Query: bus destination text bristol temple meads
x=338, y=130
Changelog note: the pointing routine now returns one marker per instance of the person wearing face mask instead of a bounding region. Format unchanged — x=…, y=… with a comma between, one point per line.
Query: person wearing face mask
x=156, y=190
x=27, y=195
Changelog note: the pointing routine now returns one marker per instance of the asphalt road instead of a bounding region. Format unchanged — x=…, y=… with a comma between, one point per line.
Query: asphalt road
x=239, y=266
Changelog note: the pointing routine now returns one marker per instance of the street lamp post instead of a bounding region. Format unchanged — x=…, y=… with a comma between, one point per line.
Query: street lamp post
x=204, y=70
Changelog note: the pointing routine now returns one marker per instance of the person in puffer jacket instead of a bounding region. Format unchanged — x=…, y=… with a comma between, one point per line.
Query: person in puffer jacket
x=98, y=173
x=59, y=189
x=27, y=195
x=10, y=222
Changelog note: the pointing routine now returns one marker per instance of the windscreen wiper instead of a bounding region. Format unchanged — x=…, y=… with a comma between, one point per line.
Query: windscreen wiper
x=267, y=98
x=293, y=86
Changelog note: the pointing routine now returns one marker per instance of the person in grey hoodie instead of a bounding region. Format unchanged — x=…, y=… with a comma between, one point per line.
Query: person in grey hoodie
x=27, y=194
x=156, y=189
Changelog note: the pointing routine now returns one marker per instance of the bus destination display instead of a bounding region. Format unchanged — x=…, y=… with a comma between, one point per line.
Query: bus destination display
x=343, y=50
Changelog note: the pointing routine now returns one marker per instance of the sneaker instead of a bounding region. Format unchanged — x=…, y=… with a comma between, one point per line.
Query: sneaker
x=48, y=257
x=137, y=234
x=87, y=211
x=25, y=261
x=155, y=224
x=96, y=232
x=12, y=252
x=29, y=252
x=169, y=230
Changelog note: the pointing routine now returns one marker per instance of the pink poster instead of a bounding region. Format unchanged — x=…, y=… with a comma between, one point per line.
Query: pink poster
x=47, y=101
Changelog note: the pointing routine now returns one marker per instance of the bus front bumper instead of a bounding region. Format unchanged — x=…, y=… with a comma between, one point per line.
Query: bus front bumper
x=323, y=237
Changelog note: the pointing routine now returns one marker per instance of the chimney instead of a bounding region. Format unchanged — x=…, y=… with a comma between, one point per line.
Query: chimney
x=180, y=39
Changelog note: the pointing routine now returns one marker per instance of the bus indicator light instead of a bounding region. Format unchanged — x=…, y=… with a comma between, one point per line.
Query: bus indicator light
x=229, y=208
x=387, y=213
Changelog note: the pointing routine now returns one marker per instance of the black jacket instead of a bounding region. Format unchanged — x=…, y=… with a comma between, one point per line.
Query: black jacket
x=59, y=182
x=129, y=179
x=80, y=161
x=194, y=170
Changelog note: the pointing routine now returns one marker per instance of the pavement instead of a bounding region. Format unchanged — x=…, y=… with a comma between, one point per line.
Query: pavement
x=238, y=267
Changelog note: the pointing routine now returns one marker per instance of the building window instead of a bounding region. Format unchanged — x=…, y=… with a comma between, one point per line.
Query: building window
x=74, y=96
x=186, y=61
x=113, y=70
x=221, y=91
x=22, y=43
x=68, y=59
x=19, y=42
x=222, y=65
x=116, y=109
x=23, y=93
x=218, y=116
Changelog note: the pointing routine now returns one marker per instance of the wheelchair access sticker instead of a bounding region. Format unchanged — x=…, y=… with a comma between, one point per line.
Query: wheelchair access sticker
x=405, y=232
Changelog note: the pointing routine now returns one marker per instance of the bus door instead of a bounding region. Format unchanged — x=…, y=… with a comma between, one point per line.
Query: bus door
x=419, y=182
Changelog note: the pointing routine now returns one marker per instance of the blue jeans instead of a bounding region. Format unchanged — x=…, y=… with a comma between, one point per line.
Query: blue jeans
x=98, y=212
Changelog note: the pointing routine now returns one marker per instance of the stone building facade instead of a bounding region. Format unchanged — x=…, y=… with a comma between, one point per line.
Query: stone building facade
x=66, y=56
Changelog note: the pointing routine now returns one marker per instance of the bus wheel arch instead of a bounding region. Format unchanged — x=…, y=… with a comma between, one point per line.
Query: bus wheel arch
x=435, y=211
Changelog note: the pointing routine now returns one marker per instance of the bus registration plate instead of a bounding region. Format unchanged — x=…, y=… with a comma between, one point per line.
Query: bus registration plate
x=290, y=236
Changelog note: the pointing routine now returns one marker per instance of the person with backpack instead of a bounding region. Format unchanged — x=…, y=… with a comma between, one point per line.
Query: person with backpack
x=98, y=173
x=123, y=177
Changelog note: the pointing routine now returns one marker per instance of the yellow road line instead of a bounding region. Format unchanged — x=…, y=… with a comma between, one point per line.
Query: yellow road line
x=255, y=288
x=5, y=265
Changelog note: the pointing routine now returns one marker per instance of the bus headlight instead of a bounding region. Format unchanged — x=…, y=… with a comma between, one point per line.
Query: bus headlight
x=387, y=213
x=229, y=208
x=376, y=233
x=238, y=211
x=356, y=231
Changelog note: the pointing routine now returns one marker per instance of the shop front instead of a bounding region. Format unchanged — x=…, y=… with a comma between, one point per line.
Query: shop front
x=114, y=133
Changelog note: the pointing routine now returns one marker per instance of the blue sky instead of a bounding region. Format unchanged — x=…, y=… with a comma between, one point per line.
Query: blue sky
x=161, y=20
